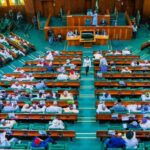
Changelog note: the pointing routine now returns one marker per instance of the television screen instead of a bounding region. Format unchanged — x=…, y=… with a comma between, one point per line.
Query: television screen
x=87, y=35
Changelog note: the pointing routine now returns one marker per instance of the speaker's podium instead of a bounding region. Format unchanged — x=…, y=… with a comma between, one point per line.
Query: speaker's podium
x=87, y=38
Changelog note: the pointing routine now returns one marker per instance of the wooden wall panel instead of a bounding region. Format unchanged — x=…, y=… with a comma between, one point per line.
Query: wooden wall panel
x=115, y=32
x=146, y=9
x=29, y=9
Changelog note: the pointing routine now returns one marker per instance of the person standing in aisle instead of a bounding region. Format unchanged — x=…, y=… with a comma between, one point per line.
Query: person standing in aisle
x=87, y=64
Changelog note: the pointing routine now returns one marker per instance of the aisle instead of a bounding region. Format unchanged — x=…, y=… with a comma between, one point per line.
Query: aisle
x=87, y=125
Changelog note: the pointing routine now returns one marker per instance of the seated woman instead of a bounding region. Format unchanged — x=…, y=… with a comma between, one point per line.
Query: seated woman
x=71, y=109
x=126, y=70
x=66, y=95
x=56, y=124
x=73, y=75
x=16, y=85
x=145, y=96
x=102, y=108
x=54, y=108
x=26, y=108
x=7, y=123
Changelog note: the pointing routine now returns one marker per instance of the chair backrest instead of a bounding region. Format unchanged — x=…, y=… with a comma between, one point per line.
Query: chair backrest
x=87, y=22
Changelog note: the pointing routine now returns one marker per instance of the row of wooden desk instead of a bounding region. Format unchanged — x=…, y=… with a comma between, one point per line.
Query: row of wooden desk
x=75, y=84
x=117, y=84
x=32, y=133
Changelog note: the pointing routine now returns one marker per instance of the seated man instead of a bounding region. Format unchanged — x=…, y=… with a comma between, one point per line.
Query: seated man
x=19, y=70
x=117, y=52
x=16, y=85
x=145, y=63
x=145, y=96
x=118, y=107
x=145, y=124
x=54, y=108
x=103, y=22
x=56, y=124
x=4, y=142
x=66, y=96
x=105, y=96
x=49, y=56
x=8, y=108
x=62, y=76
x=71, y=108
x=126, y=70
x=7, y=123
x=26, y=108
x=131, y=140
x=97, y=56
x=3, y=40
x=37, y=109
x=69, y=64
x=70, y=34
x=61, y=69
x=37, y=142
x=116, y=141
x=134, y=108
x=102, y=108
x=134, y=63
x=103, y=32
x=41, y=85
x=126, y=51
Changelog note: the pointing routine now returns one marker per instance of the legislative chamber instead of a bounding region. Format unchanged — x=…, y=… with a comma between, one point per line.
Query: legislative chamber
x=74, y=74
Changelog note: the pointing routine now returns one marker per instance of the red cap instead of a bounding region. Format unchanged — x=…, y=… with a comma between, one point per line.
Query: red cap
x=37, y=141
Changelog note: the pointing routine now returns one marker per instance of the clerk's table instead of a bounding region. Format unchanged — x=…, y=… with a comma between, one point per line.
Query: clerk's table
x=98, y=40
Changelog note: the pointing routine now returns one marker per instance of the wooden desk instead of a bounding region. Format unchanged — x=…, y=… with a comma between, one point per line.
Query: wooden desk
x=122, y=92
x=75, y=84
x=32, y=133
x=73, y=40
x=125, y=103
x=101, y=39
x=108, y=117
x=32, y=68
x=48, y=102
x=98, y=40
x=71, y=52
x=116, y=84
x=119, y=68
x=139, y=134
x=126, y=76
x=26, y=116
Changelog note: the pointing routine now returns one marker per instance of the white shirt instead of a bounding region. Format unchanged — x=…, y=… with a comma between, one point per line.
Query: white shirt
x=102, y=108
x=146, y=125
x=98, y=56
x=87, y=63
x=62, y=77
x=145, y=98
x=54, y=109
x=103, y=61
x=132, y=143
x=57, y=124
